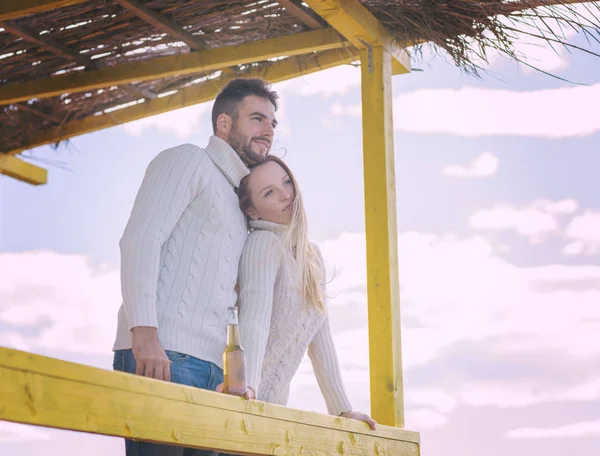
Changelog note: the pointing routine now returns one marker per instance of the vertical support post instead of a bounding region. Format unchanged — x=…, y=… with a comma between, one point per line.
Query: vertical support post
x=385, y=353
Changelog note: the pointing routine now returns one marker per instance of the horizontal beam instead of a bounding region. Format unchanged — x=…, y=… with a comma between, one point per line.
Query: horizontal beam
x=47, y=392
x=14, y=9
x=278, y=71
x=356, y=23
x=161, y=23
x=21, y=170
x=177, y=65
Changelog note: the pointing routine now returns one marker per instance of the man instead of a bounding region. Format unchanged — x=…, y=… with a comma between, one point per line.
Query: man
x=181, y=246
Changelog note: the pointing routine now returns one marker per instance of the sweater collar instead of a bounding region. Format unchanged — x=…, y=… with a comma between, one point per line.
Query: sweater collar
x=276, y=228
x=227, y=159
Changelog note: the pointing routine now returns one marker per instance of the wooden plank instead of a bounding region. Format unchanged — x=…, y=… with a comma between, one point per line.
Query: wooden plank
x=301, y=13
x=43, y=391
x=355, y=22
x=161, y=23
x=192, y=63
x=14, y=9
x=37, y=112
x=200, y=93
x=385, y=353
x=63, y=51
x=21, y=170
x=46, y=43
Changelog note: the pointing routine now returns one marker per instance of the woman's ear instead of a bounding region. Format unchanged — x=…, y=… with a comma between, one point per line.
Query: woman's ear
x=251, y=212
x=224, y=123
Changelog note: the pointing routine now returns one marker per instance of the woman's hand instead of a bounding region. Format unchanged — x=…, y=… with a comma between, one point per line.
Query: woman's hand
x=354, y=415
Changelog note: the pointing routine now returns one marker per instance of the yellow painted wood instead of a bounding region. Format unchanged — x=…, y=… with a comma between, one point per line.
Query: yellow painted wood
x=399, y=68
x=14, y=9
x=355, y=22
x=277, y=72
x=47, y=392
x=385, y=353
x=162, y=67
x=21, y=170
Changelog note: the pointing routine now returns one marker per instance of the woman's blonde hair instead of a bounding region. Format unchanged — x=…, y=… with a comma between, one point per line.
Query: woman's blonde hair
x=307, y=258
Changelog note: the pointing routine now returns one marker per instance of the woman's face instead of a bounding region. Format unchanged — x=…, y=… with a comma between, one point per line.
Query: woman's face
x=272, y=193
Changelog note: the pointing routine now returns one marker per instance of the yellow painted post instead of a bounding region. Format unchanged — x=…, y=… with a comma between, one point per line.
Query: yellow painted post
x=385, y=354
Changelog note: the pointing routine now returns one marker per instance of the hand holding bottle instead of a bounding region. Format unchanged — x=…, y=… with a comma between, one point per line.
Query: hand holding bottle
x=250, y=394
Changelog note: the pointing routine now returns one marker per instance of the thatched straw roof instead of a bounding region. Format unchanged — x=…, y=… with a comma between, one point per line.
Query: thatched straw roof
x=95, y=34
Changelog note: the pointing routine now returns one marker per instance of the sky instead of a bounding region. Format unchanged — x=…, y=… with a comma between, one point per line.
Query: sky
x=499, y=248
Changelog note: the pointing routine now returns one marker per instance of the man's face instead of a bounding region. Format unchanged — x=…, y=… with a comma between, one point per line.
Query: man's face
x=251, y=134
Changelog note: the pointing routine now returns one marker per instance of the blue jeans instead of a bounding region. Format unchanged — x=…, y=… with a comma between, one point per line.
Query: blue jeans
x=185, y=370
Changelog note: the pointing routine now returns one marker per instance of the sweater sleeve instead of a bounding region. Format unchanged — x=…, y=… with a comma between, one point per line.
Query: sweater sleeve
x=172, y=180
x=323, y=357
x=258, y=268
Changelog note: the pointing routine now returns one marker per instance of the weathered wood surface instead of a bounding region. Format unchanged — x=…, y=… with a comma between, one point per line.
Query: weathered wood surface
x=48, y=392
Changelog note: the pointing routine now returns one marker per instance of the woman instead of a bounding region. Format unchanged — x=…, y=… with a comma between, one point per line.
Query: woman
x=282, y=293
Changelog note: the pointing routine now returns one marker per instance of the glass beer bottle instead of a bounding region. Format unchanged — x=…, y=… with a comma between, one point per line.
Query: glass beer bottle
x=234, y=363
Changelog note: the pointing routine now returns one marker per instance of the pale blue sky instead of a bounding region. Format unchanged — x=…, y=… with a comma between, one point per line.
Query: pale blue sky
x=488, y=353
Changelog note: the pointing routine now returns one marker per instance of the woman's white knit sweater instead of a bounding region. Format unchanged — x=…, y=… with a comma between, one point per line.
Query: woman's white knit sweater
x=276, y=328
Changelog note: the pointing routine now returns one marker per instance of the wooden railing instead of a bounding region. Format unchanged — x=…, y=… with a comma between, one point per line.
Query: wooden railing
x=53, y=393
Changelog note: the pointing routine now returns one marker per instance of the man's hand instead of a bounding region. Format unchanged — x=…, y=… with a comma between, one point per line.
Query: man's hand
x=353, y=415
x=150, y=357
x=250, y=394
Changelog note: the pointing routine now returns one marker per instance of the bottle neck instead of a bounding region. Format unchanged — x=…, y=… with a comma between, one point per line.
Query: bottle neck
x=233, y=331
x=233, y=334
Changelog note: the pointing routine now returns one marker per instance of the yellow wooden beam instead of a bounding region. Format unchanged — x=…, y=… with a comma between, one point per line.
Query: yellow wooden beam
x=43, y=391
x=278, y=71
x=14, y=9
x=385, y=351
x=162, y=67
x=356, y=23
x=21, y=170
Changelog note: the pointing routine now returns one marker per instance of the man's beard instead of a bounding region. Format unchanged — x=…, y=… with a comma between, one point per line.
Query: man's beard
x=243, y=146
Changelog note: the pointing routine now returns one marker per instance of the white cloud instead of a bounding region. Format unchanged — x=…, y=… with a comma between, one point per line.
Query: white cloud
x=455, y=293
x=424, y=420
x=580, y=429
x=57, y=302
x=527, y=222
x=484, y=165
x=333, y=81
x=474, y=112
x=573, y=248
x=585, y=231
x=17, y=433
x=183, y=122
x=561, y=207
x=527, y=395
x=534, y=220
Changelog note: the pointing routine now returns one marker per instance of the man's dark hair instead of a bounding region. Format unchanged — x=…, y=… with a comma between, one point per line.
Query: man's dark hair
x=235, y=91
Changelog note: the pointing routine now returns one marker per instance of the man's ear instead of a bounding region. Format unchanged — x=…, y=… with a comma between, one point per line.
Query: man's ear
x=224, y=123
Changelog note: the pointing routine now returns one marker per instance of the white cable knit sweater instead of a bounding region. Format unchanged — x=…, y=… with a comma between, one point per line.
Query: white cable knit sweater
x=181, y=248
x=276, y=329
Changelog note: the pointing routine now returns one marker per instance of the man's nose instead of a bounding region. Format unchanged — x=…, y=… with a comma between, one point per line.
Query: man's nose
x=268, y=130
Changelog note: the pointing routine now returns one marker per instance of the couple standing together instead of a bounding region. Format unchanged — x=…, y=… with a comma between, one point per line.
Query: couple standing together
x=203, y=221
